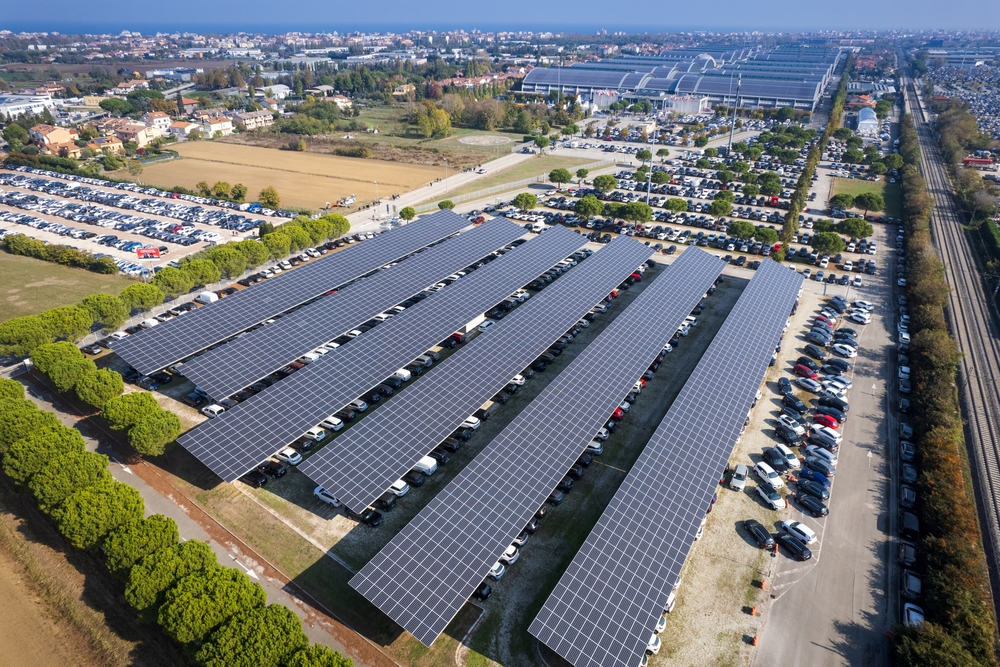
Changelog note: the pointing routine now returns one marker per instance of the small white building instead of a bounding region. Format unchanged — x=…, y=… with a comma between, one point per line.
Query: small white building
x=159, y=121
x=867, y=121
x=209, y=126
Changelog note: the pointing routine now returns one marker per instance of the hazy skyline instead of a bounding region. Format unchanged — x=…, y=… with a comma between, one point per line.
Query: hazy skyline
x=71, y=16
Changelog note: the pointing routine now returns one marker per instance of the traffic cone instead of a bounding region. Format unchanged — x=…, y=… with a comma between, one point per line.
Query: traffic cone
x=763, y=583
x=753, y=612
x=755, y=640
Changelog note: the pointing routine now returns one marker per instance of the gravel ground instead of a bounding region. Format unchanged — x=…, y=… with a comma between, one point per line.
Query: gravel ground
x=712, y=623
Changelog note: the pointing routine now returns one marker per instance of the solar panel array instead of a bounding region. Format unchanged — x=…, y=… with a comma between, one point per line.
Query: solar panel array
x=359, y=465
x=153, y=349
x=240, y=438
x=425, y=574
x=605, y=606
x=237, y=364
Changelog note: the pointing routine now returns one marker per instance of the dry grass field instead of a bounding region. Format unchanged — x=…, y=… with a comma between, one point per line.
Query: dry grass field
x=305, y=180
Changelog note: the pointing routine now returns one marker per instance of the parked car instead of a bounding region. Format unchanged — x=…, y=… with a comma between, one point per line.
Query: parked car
x=770, y=496
x=738, y=478
x=795, y=547
x=799, y=530
x=759, y=534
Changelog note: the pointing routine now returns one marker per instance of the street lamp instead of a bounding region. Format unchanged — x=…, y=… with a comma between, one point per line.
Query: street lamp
x=376, y=191
x=446, y=175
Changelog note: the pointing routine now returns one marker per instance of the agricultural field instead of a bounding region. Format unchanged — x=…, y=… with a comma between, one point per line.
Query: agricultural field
x=889, y=191
x=304, y=180
x=31, y=285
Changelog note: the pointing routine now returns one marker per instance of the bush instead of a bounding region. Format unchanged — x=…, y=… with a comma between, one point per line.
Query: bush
x=157, y=573
x=65, y=474
x=318, y=655
x=203, y=272
x=98, y=388
x=21, y=335
x=11, y=389
x=107, y=310
x=20, y=419
x=131, y=542
x=125, y=411
x=151, y=435
x=173, y=282
x=44, y=357
x=142, y=296
x=201, y=602
x=69, y=322
x=263, y=637
x=89, y=514
x=31, y=453
x=66, y=373
x=446, y=204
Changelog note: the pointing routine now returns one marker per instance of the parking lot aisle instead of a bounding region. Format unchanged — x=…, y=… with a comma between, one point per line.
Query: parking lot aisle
x=834, y=610
x=316, y=627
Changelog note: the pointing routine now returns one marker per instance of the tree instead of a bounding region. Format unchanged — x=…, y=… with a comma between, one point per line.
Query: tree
x=65, y=474
x=115, y=105
x=11, y=390
x=14, y=133
x=636, y=211
x=130, y=542
x=753, y=153
x=878, y=168
x=255, y=252
x=108, y=310
x=66, y=373
x=278, y=244
x=660, y=177
x=238, y=193
x=142, y=296
x=69, y=322
x=542, y=142
x=751, y=190
x=701, y=140
x=125, y=411
x=720, y=208
x=112, y=162
x=98, y=388
x=135, y=168
x=570, y=130
x=407, y=213
x=855, y=227
x=703, y=163
x=870, y=201
x=89, y=514
x=265, y=637
x=605, y=183
x=21, y=335
x=588, y=206
x=269, y=198
x=930, y=644
x=222, y=190
x=525, y=201
x=202, y=601
x=560, y=176
x=741, y=229
x=203, y=272
x=44, y=357
x=582, y=174
x=644, y=155
x=30, y=454
x=842, y=133
x=663, y=154
x=842, y=201
x=827, y=243
x=318, y=655
x=156, y=573
x=151, y=435
x=677, y=205
x=892, y=160
x=173, y=281
x=769, y=183
x=446, y=204
x=852, y=156
x=711, y=152
x=766, y=235
x=231, y=262
x=20, y=419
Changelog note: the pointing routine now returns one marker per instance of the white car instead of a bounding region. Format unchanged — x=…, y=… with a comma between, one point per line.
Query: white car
x=912, y=614
x=602, y=435
x=358, y=404
x=510, y=556
x=819, y=429
x=471, y=422
x=497, y=571
x=289, y=456
x=838, y=382
x=775, y=501
x=333, y=423
x=766, y=473
x=790, y=458
x=847, y=351
x=654, y=645
x=859, y=317
x=485, y=326
x=864, y=305
x=661, y=624
x=316, y=433
x=788, y=422
x=671, y=601
x=904, y=338
x=809, y=385
x=857, y=282
x=399, y=488
x=326, y=496
x=820, y=453
x=213, y=410
x=518, y=380
x=799, y=530
x=624, y=407
x=904, y=372
x=595, y=448
x=738, y=479
x=119, y=335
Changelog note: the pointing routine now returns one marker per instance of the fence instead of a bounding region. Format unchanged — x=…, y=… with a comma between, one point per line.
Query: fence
x=505, y=187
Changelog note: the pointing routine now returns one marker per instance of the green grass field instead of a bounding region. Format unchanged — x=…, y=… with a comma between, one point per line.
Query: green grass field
x=532, y=167
x=889, y=191
x=31, y=285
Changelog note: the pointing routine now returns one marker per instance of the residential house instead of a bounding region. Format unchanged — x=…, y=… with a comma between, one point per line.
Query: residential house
x=209, y=126
x=403, y=90
x=320, y=91
x=139, y=133
x=50, y=89
x=44, y=135
x=189, y=105
x=126, y=87
x=252, y=120
x=342, y=102
x=158, y=120
x=109, y=126
x=107, y=145
x=183, y=128
x=66, y=149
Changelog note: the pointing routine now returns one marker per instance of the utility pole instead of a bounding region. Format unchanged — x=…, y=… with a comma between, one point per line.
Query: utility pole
x=732, y=125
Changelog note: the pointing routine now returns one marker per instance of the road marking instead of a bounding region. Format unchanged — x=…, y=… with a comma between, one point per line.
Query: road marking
x=250, y=573
x=869, y=459
x=124, y=467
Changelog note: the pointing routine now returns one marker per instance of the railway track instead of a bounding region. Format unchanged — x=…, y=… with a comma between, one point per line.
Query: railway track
x=972, y=323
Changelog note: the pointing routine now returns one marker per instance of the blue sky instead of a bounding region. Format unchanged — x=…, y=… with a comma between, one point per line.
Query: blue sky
x=582, y=15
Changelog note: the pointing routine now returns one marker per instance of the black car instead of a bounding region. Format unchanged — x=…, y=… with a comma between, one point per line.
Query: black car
x=832, y=412
x=910, y=585
x=812, y=505
x=904, y=405
x=907, y=497
x=839, y=363
x=585, y=460
x=451, y=444
x=759, y=534
x=441, y=456
x=785, y=386
x=532, y=527
x=367, y=516
x=255, y=478
x=774, y=459
x=576, y=472
x=392, y=381
x=795, y=404
x=795, y=547
x=808, y=363
x=273, y=468
x=566, y=485
x=788, y=435
x=386, y=501
x=814, y=489
x=542, y=512
x=484, y=591
x=556, y=497
x=815, y=352
x=909, y=527
x=194, y=399
x=834, y=402
x=907, y=554
x=414, y=478
x=161, y=377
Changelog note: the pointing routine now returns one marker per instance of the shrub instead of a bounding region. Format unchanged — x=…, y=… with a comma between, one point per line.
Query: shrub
x=65, y=474
x=89, y=514
x=318, y=655
x=151, y=435
x=142, y=296
x=201, y=602
x=129, y=543
x=264, y=637
x=44, y=357
x=20, y=419
x=66, y=373
x=11, y=389
x=107, y=310
x=127, y=410
x=98, y=388
x=21, y=335
x=31, y=453
x=156, y=573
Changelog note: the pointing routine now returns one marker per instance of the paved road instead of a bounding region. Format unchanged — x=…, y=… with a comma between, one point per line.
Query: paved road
x=833, y=610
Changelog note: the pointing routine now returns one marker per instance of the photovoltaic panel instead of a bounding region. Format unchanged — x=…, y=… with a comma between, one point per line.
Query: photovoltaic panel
x=227, y=369
x=606, y=605
x=358, y=466
x=153, y=349
x=240, y=438
x=425, y=574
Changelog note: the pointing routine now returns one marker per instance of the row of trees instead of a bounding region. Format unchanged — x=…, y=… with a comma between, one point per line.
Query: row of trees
x=21, y=244
x=960, y=626
x=218, y=613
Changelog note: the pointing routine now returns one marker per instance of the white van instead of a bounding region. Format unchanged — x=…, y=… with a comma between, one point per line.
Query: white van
x=213, y=410
x=402, y=374
x=308, y=358
x=207, y=297
x=426, y=465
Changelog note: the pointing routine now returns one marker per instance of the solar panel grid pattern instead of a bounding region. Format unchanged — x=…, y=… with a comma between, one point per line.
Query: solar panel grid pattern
x=425, y=574
x=358, y=466
x=227, y=369
x=603, y=610
x=153, y=349
x=240, y=438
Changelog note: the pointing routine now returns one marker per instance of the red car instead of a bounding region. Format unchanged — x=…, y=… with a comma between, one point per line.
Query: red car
x=823, y=318
x=805, y=372
x=827, y=420
x=637, y=277
x=617, y=414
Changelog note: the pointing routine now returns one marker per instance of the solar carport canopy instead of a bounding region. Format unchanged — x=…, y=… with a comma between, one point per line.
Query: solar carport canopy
x=359, y=465
x=239, y=439
x=425, y=574
x=237, y=364
x=604, y=608
x=155, y=348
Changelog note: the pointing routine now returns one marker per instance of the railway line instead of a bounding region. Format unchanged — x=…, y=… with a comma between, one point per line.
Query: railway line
x=970, y=317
